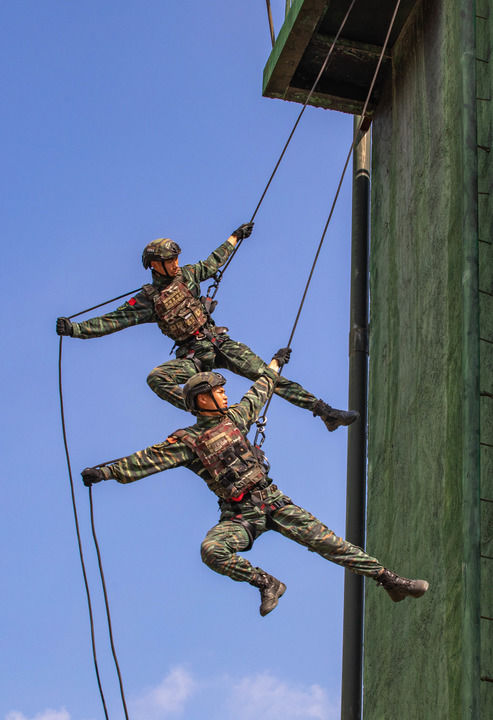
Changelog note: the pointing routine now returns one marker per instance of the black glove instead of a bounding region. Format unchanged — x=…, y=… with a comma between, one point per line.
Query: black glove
x=64, y=326
x=243, y=231
x=91, y=476
x=282, y=355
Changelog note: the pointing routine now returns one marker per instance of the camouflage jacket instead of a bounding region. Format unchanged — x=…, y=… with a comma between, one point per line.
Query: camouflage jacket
x=140, y=309
x=173, y=452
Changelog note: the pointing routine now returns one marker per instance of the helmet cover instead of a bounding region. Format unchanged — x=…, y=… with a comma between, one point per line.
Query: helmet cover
x=160, y=249
x=202, y=382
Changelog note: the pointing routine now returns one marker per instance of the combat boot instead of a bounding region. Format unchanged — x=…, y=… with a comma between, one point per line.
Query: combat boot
x=334, y=418
x=271, y=589
x=400, y=587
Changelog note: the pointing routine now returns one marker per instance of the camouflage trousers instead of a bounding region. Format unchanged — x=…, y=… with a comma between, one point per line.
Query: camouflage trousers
x=166, y=379
x=227, y=538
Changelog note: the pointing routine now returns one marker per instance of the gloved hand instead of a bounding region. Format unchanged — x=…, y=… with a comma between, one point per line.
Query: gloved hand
x=91, y=476
x=282, y=355
x=243, y=231
x=64, y=326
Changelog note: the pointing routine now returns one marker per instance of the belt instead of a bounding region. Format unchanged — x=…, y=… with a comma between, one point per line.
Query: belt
x=257, y=494
x=204, y=334
x=259, y=487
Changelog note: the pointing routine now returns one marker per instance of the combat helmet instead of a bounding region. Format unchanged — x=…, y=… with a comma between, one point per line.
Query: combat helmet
x=160, y=249
x=202, y=382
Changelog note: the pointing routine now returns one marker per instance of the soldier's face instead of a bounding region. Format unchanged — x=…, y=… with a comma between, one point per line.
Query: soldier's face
x=172, y=266
x=166, y=267
x=206, y=404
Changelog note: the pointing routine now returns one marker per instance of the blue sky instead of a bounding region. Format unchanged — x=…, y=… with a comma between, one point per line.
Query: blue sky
x=122, y=122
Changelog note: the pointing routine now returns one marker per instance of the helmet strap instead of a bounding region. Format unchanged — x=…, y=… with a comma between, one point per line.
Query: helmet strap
x=217, y=410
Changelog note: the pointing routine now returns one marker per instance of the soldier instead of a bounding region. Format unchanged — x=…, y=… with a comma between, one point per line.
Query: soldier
x=216, y=448
x=173, y=302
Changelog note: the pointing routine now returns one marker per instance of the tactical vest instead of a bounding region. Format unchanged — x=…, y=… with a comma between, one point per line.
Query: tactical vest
x=179, y=313
x=233, y=463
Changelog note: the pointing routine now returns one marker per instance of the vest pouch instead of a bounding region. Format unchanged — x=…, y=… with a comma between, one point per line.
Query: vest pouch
x=179, y=313
x=242, y=472
x=261, y=457
x=229, y=459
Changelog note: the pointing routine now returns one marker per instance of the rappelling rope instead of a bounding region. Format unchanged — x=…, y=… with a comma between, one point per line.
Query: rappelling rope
x=261, y=422
x=107, y=606
x=106, y=302
x=77, y=529
x=219, y=275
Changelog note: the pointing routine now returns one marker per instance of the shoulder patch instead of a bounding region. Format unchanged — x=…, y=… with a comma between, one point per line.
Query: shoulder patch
x=171, y=439
x=132, y=301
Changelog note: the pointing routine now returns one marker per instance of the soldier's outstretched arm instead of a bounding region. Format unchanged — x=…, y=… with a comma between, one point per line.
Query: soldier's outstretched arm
x=248, y=409
x=169, y=454
x=137, y=310
x=205, y=269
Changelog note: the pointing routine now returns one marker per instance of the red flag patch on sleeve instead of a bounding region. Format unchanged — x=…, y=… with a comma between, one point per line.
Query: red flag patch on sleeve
x=132, y=301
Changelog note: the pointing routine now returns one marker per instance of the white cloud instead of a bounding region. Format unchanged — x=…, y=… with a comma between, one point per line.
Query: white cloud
x=45, y=715
x=267, y=697
x=167, y=698
x=247, y=697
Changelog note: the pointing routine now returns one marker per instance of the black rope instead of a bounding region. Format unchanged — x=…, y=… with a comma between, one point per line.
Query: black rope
x=74, y=506
x=77, y=529
x=260, y=431
x=106, y=302
x=107, y=606
x=220, y=274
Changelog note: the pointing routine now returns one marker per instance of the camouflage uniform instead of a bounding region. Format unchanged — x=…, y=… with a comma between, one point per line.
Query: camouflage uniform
x=198, y=353
x=275, y=511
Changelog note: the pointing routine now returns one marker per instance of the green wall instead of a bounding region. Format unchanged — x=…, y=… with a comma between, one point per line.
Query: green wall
x=484, y=86
x=431, y=221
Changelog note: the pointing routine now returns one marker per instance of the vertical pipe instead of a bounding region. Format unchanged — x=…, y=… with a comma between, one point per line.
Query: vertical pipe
x=352, y=651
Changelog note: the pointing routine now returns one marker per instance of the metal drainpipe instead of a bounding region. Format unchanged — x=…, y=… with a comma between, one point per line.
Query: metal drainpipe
x=352, y=651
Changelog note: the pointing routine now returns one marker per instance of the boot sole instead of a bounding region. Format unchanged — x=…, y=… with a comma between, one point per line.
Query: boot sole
x=280, y=593
x=397, y=596
x=332, y=425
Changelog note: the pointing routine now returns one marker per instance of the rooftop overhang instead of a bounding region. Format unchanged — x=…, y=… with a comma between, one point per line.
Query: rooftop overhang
x=304, y=41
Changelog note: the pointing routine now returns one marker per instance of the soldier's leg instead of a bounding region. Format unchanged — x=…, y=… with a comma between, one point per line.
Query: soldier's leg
x=166, y=379
x=220, y=547
x=219, y=552
x=238, y=358
x=298, y=524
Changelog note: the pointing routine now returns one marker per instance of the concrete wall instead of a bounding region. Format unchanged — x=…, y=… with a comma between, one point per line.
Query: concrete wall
x=423, y=658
